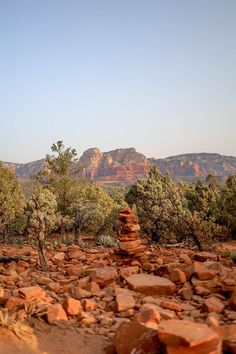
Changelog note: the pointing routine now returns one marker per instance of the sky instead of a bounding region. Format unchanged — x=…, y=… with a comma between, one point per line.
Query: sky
x=157, y=75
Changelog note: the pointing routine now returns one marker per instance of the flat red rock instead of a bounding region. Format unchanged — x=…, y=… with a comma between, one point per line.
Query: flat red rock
x=150, y=284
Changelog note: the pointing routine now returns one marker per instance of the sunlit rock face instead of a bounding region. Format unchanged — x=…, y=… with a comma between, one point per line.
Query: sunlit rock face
x=119, y=165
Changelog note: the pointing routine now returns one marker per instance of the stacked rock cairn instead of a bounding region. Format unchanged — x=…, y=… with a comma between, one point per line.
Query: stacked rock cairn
x=130, y=243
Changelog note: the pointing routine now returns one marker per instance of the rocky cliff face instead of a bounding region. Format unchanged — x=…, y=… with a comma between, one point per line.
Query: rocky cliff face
x=127, y=165
x=121, y=165
x=189, y=167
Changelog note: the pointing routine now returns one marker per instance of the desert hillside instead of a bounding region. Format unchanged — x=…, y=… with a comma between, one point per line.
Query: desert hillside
x=127, y=165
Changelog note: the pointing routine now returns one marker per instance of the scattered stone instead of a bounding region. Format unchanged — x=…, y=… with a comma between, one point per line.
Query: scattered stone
x=182, y=337
x=213, y=320
x=200, y=290
x=204, y=256
x=32, y=293
x=187, y=293
x=60, y=256
x=151, y=284
x=233, y=301
x=205, y=274
x=72, y=306
x=171, y=305
x=208, y=284
x=213, y=304
x=103, y=276
x=124, y=300
x=148, y=315
x=15, y=303
x=178, y=276
x=89, y=304
x=228, y=335
x=56, y=313
x=128, y=271
x=132, y=337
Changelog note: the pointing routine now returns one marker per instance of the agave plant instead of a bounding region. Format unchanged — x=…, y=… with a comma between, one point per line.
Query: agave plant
x=106, y=241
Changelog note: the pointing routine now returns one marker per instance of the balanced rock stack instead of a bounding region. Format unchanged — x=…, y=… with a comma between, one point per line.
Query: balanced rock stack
x=129, y=239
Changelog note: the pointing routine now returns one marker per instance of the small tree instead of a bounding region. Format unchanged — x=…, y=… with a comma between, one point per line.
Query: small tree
x=41, y=211
x=11, y=199
x=159, y=204
x=60, y=170
x=94, y=211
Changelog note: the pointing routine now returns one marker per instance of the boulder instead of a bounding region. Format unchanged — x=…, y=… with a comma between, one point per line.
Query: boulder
x=56, y=313
x=183, y=337
x=151, y=284
x=104, y=276
x=132, y=337
x=72, y=306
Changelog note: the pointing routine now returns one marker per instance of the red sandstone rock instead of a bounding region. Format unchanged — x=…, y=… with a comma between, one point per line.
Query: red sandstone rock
x=171, y=305
x=148, y=315
x=32, y=293
x=72, y=306
x=228, y=335
x=104, y=276
x=204, y=256
x=128, y=245
x=14, y=303
x=132, y=337
x=213, y=304
x=205, y=274
x=177, y=276
x=233, y=301
x=183, y=333
x=151, y=284
x=124, y=302
x=56, y=313
x=128, y=271
x=208, y=284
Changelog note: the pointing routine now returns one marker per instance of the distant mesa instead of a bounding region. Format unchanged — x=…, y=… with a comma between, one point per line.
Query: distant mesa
x=124, y=166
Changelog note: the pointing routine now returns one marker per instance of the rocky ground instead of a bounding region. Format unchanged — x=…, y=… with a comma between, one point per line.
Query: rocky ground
x=96, y=301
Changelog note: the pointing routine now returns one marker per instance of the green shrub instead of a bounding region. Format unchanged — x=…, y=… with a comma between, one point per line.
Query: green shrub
x=106, y=241
x=67, y=241
x=233, y=255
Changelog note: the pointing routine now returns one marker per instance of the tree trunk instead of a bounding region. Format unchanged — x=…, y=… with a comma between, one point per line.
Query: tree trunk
x=197, y=241
x=77, y=237
x=42, y=258
x=77, y=233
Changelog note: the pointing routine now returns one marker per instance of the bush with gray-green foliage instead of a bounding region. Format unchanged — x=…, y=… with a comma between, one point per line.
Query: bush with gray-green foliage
x=171, y=211
x=12, y=200
x=106, y=241
x=95, y=211
x=42, y=216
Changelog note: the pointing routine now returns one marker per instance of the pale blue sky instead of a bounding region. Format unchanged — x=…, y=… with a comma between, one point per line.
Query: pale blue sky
x=158, y=75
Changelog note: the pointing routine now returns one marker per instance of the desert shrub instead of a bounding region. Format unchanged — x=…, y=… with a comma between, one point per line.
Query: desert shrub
x=106, y=241
x=233, y=255
x=67, y=241
x=178, y=211
x=11, y=200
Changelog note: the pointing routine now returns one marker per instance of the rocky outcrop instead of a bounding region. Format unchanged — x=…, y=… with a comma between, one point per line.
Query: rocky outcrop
x=119, y=165
x=189, y=167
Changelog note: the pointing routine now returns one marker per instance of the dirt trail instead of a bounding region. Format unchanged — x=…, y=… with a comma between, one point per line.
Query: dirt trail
x=54, y=340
